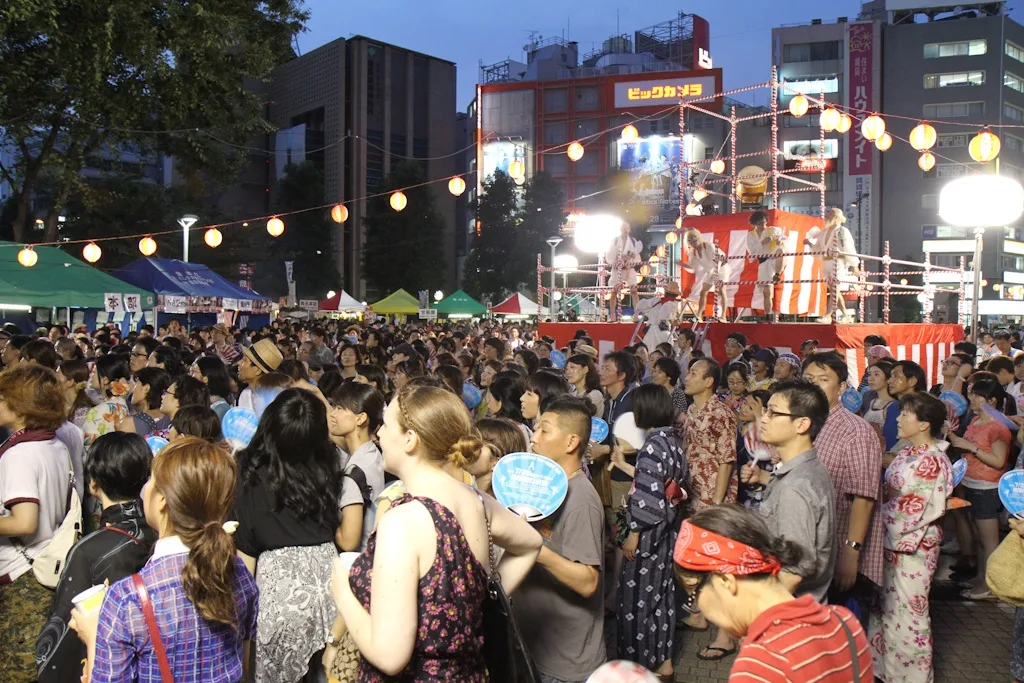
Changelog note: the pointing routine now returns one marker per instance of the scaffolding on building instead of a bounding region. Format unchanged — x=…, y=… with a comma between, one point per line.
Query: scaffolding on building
x=669, y=41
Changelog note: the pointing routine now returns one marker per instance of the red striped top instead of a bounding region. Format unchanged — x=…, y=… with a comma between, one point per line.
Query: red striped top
x=802, y=640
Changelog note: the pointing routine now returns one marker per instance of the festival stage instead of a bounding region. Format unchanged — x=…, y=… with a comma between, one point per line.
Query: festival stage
x=925, y=344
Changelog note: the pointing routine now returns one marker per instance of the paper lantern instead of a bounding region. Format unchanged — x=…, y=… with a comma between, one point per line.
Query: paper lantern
x=92, y=252
x=798, y=106
x=457, y=186
x=679, y=223
x=699, y=194
x=275, y=226
x=672, y=237
x=922, y=137
x=645, y=269
x=926, y=162
x=873, y=127
x=398, y=200
x=517, y=169
x=575, y=151
x=845, y=122
x=28, y=257
x=830, y=119
x=660, y=251
x=213, y=238
x=339, y=214
x=884, y=142
x=718, y=167
x=629, y=133
x=147, y=245
x=984, y=147
x=521, y=180
x=691, y=209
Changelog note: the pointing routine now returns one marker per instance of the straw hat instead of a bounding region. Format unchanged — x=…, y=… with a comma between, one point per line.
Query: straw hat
x=264, y=354
x=587, y=350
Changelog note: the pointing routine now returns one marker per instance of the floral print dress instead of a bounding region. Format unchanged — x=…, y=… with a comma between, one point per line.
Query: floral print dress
x=918, y=482
x=103, y=418
x=450, y=634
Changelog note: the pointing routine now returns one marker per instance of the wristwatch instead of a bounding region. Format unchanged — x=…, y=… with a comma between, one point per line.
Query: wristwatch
x=853, y=544
x=331, y=640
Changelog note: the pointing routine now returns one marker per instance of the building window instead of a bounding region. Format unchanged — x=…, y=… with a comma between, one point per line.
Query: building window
x=555, y=100
x=962, y=48
x=709, y=153
x=1009, y=262
x=813, y=85
x=952, y=140
x=946, y=171
x=1013, y=143
x=811, y=52
x=954, y=110
x=805, y=121
x=1013, y=81
x=1014, y=51
x=555, y=133
x=586, y=128
x=557, y=164
x=1012, y=112
x=947, y=260
x=588, y=97
x=954, y=80
x=588, y=165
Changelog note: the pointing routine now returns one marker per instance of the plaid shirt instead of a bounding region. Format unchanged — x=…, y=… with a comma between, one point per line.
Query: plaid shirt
x=198, y=650
x=850, y=449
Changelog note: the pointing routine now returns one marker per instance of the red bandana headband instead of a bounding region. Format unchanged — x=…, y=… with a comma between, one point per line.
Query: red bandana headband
x=701, y=550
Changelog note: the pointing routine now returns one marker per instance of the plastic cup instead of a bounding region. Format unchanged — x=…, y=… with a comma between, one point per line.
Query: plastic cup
x=90, y=600
x=347, y=559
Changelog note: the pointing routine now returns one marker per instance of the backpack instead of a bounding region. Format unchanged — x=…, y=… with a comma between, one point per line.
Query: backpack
x=49, y=564
x=356, y=474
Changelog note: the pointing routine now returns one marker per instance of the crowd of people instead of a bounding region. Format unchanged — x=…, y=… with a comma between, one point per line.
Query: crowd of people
x=354, y=536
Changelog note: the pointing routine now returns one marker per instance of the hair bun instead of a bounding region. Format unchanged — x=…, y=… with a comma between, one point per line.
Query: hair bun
x=465, y=451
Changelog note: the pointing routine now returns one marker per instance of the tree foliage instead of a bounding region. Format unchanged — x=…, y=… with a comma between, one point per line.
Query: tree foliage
x=84, y=79
x=503, y=259
x=403, y=249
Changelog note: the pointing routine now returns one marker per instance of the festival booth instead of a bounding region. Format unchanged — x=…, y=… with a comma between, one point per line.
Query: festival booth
x=400, y=302
x=195, y=291
x=30, y=296
x=518, y=306
x=341, y=303
x=460, y=305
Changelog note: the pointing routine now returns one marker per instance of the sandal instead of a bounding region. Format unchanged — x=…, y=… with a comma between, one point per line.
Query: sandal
x=968, y=594
x=722, y=653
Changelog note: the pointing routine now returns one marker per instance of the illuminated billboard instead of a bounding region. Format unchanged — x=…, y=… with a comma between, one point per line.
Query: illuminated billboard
x=653, y=166
x=498, y=156
x=662, y=92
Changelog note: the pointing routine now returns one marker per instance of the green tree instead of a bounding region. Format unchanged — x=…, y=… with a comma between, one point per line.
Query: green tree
x=403, y=249
x=493, y=268
x=89, y=80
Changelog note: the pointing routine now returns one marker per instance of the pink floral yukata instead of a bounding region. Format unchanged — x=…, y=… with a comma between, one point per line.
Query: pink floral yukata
x=918, y=482
x=450, y=635
x=710, y=432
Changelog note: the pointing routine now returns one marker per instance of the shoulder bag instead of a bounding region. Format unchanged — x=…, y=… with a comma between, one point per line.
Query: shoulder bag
x=154, y=629
x=505, y=653
x=1002, y=572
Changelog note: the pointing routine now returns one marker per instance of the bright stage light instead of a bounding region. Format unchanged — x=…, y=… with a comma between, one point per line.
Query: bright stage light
x=593, y=234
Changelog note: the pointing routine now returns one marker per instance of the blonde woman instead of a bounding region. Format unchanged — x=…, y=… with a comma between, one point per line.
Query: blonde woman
x=710, y=270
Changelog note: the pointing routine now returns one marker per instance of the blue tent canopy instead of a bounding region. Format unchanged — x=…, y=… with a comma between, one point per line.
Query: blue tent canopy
x=203, y=289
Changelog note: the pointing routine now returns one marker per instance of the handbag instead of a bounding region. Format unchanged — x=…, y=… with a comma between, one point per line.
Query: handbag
x=1002, y=573
x=345, y=668
x=49, y=564
x=154, y=629
x=504, y=652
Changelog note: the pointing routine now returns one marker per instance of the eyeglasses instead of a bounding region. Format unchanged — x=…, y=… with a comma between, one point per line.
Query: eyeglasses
x=690, y=605
x=952, y=361
x=141, y=355
x=771, y=412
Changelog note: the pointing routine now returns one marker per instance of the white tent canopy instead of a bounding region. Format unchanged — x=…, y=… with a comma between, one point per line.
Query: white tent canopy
x=342, y=302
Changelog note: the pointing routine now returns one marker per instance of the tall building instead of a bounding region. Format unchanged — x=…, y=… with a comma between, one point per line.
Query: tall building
x=356, y=107
x=960, y=66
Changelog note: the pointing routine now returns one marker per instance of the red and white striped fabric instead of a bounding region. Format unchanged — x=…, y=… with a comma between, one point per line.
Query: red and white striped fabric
x=730, y=231
x=517, y=304
x=926, y=345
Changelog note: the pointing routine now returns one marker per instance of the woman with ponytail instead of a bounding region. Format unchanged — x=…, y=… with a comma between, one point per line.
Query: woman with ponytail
x=426, y=565
x=203, y=597
x=728, y=562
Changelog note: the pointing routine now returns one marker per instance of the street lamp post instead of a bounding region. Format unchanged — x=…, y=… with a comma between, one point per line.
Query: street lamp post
x=980, y=201
x=186, y=222
x=553, y=242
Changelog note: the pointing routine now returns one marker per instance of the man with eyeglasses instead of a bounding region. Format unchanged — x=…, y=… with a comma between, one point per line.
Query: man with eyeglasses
x=799, y=501
x=144, y=347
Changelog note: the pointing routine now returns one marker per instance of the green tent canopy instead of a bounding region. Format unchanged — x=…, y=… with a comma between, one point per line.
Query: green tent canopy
x=460, y=303
x=58, y=280
x=398, y=303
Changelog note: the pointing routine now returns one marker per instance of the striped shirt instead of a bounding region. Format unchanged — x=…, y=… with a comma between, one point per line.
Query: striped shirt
x=802, y=640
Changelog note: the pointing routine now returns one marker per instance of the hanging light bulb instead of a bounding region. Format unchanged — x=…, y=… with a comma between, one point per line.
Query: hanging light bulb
x=922, y=137
x=457, y=186
x=798, y=106
x=398, y=200
x=575, y=151
x=147, y=245
x=629, y=133
x=92, y=252
x=645, y=269
x=926, y=162
x=718, y=167
x=679, y=223
x=699, y=194
x=984, y=146
x=660, y=251
x=655, y=259
x=517, y=169
x=275, y=226
x=339, y=214
x=845, y=122
x=672, y=237
x=28, y=257
x=830, y=119
x=213, y=238
x=884, y=142
x=691, y=209
x=873, y=127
